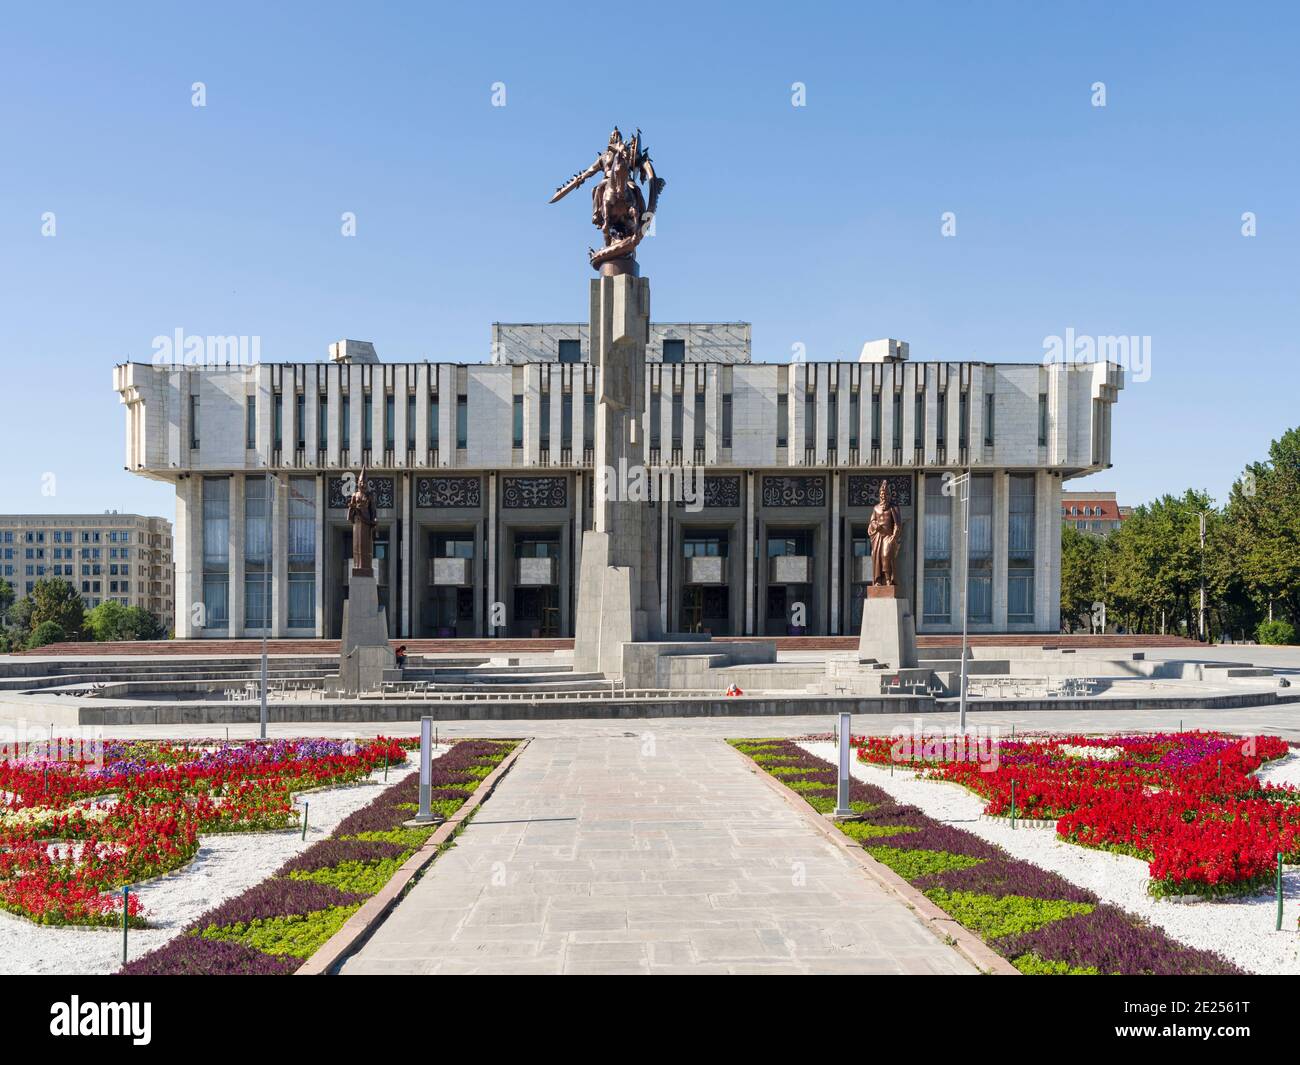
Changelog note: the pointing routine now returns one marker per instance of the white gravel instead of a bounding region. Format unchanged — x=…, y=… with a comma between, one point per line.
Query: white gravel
x=1242, y=930
x=225, y=865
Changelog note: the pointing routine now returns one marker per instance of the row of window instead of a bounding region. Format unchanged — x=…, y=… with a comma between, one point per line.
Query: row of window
x=67, y=536
x=938, y=546
x=301, y=551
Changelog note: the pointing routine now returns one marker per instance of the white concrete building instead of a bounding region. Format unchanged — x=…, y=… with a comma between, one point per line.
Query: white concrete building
x=484, y=483
x=127, y=557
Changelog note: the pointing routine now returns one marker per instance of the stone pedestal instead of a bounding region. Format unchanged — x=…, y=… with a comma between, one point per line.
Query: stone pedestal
x=618, y=593
x=365, y=659
x=888, y=631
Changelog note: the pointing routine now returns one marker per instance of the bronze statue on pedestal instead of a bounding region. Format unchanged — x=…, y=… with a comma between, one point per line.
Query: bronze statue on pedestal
x=364, y=518
x=618, y=206
x=886, y=532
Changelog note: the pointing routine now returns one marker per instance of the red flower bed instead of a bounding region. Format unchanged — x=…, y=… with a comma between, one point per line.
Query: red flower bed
x=72, y=833
x=1186, y=802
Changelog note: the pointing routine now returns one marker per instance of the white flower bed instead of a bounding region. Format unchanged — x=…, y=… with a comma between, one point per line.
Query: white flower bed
x=1242, y=930
x=226, y=865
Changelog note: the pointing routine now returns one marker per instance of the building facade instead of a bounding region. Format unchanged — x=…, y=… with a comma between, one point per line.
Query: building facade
x=1096, y=513
x=127, y=557
x=762, y=477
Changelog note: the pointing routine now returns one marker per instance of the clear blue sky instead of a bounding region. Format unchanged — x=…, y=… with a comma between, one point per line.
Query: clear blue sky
x=820, y=224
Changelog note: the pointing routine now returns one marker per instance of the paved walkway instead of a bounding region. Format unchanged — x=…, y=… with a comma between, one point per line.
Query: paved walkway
x=646, y=853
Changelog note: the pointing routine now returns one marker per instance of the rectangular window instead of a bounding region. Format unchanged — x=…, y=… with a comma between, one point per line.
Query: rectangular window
x=809, y=420
x=988, y=419
x=410, y=421
x=346, y=418
x=855, y=420
x=941, y=420
x=544, y=422
x=216, y=551
x=832, y=421
x=937, y=594
x=655, y=418
x=433, y=423
x=322, y=423
x=250, y=423
x=300, y=421
x=726, y=419
x=570, y=350
x=898, y=421
x=980, y=604
x=1042, y=419
x=782, y=420
x=462, y=421
x=699, y=421
x=278, y=421
x=674, y=351
x=875, y=420
x=963, y=420
x=302, y=553
x=194, y=422
x=566, y=420
x=1020, y=548
x=390, y=421
x=517, y=422
x=677, y=421
x=257, y=551
x=918, y=426
x=367, y=421
x=589, y=420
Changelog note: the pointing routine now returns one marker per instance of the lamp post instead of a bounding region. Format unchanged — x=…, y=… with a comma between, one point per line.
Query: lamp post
x=962, y=484
x=1200, y=621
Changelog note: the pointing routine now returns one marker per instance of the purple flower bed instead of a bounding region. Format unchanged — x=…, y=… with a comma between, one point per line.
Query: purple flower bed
x=1113, y=942
x=194, y=956
x=280, y=896
x=276, y=897
x=1107, y=939
x=1002, y=876
x=329, y=852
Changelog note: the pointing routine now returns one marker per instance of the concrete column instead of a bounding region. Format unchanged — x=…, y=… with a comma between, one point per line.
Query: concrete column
x=958, y=549
x=491, y=548
x=446, y=415
x=422, y=414
x=931, y=427
x=665, y=549
x=796, y=404
x=713, y=415
x=236, y=555
x=886, y=415
x=1047, y=552
x=835, y=552
x=976, y=401
x=188, y=555
x=279, y=553
x=748, y=548
x=408, y=544
x=557, y=414
x=357, y=401
x=334, y=399
x=821, y=411
x=1001, y=544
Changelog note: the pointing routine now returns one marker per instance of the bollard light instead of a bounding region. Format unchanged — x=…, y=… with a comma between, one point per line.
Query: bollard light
x=842, y=807
x=426, y=770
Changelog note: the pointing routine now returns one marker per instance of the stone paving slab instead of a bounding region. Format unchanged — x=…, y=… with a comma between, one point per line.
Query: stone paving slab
x=611, y=855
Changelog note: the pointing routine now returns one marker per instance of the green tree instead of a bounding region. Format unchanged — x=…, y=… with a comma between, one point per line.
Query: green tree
x=1084, y=573
x=46, y=632
x=112, y=620
x=1263, y=513
x=57, y=601
x=6, y=601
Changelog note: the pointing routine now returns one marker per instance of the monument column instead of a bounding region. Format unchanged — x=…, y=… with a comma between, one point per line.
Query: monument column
x=618, y=590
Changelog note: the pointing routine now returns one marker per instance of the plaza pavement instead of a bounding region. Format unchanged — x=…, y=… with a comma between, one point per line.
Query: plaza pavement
x=646, y=854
